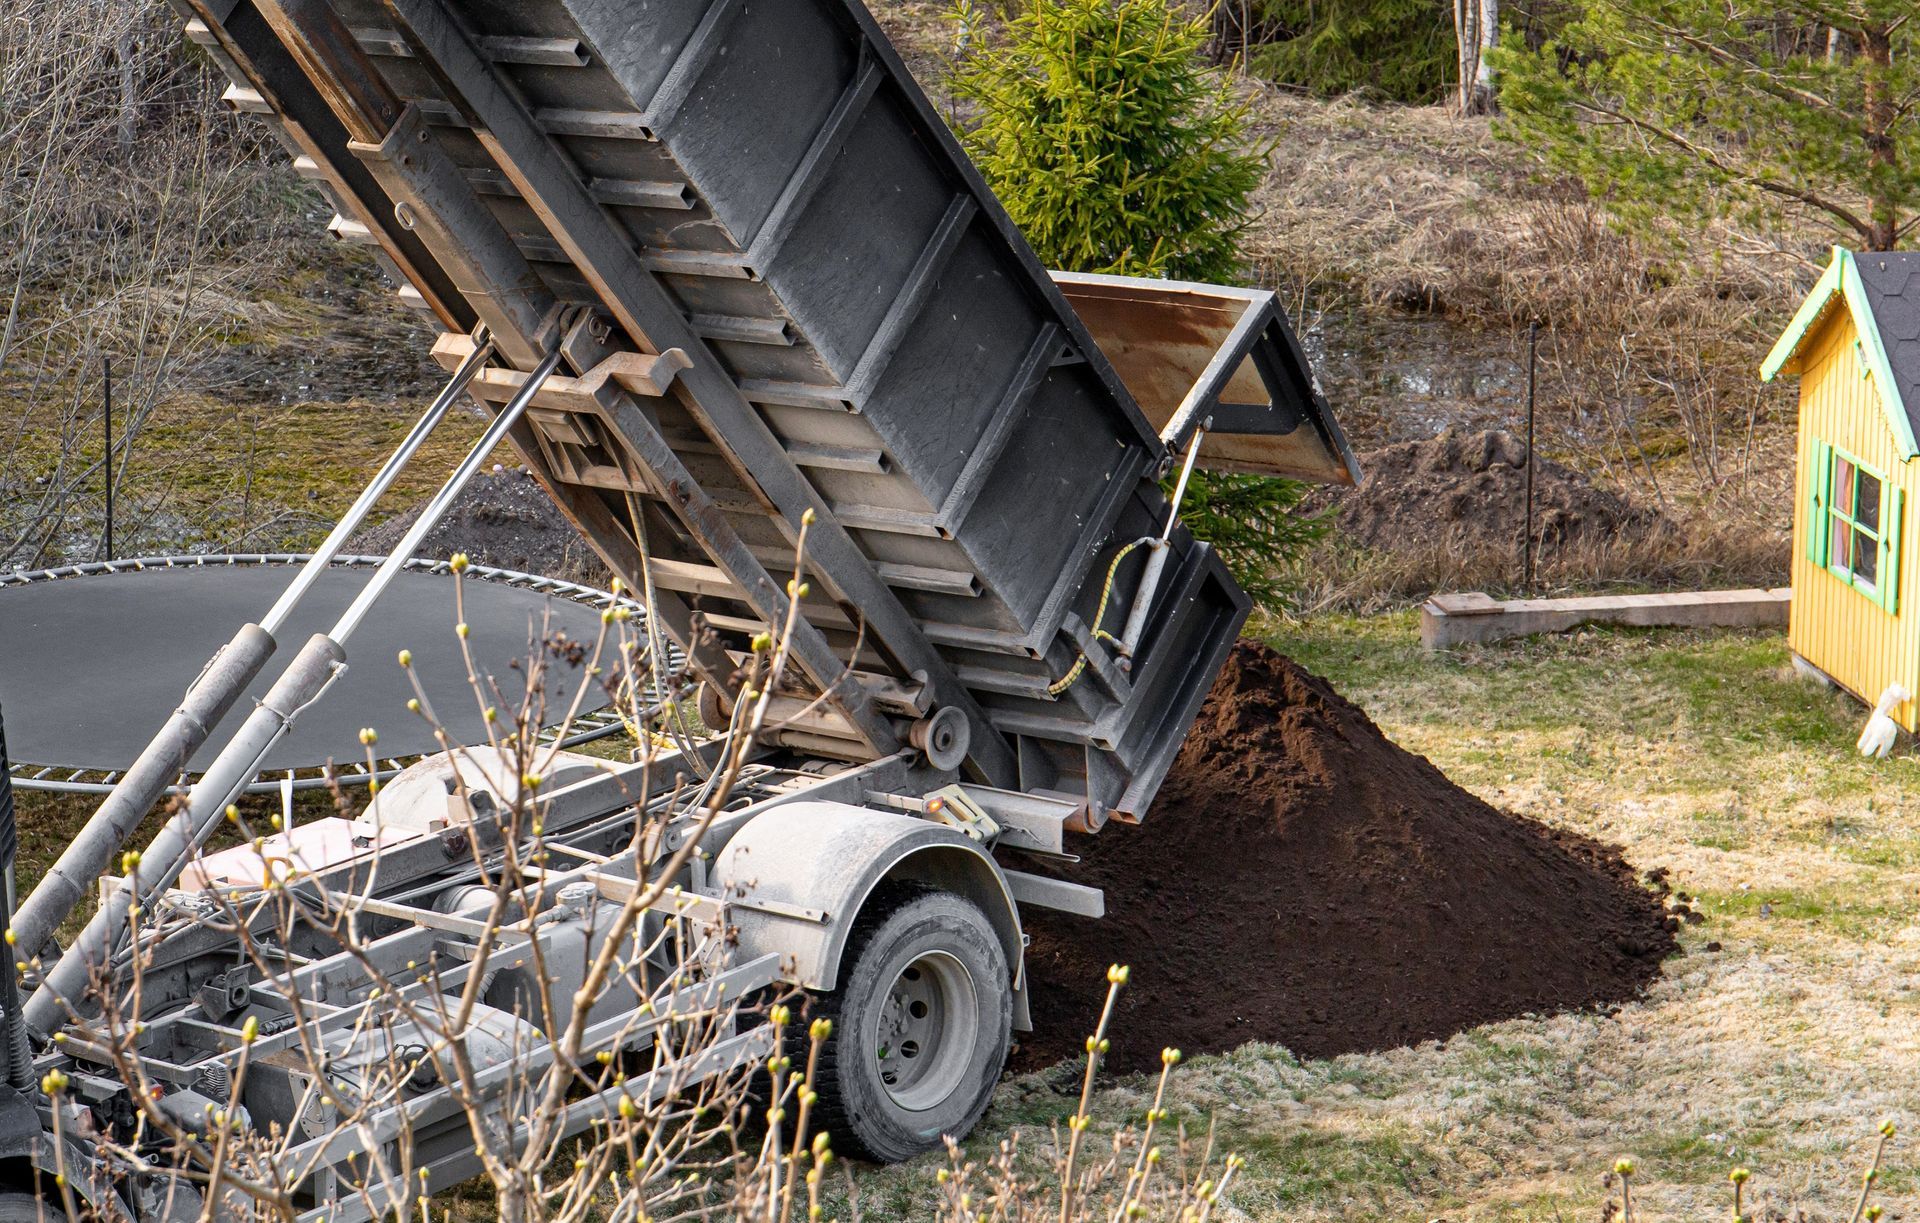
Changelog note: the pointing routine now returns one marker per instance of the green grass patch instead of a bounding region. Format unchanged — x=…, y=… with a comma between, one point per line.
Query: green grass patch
x=1291, y=1165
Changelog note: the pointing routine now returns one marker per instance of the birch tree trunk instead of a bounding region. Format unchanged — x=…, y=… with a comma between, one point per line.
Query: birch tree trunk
x=1489, y=29
x=1475, y=23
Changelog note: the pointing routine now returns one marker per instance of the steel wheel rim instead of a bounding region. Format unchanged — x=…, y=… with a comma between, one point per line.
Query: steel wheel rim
x=928, y=1025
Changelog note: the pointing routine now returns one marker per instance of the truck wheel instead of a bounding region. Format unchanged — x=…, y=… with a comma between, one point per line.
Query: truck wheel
x=26, y=1208
x=921, y=1023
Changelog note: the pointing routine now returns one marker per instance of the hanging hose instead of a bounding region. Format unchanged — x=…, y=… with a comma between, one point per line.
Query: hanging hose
x=1149, y=580
x=1099, y=633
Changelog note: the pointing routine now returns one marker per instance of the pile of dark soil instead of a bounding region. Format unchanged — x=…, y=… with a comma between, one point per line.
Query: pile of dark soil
x=1470, y=489
x=1303, y=880
x=505, y=520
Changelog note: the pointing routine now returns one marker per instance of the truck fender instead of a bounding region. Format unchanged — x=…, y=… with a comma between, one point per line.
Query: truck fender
x=799, y=874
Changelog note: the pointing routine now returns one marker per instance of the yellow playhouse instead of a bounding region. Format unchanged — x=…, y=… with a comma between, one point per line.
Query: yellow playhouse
x=1855, y=344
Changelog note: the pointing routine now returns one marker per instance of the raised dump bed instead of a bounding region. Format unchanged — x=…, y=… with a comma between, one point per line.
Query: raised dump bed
x=738, y=291
x=780, y=289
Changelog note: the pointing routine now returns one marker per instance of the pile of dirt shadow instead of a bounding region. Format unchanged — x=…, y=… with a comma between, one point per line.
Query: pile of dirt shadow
x=502, y=519
x=1302, y=880
x=1469, y=489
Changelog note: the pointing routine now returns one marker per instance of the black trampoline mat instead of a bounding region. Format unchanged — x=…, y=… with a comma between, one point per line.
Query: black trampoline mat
x=91, y=666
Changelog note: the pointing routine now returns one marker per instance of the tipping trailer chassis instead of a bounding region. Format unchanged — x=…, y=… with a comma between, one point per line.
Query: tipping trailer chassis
x=589, y=819
x=743, y=284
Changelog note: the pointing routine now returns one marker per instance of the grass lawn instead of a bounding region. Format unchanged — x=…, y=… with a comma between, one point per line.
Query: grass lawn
x=1701, y=753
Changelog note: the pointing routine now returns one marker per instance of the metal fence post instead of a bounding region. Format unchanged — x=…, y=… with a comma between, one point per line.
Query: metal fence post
x=1533, y=334
x=106, y=418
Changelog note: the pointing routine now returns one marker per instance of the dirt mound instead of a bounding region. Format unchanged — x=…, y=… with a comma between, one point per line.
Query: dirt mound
x=505, y=520
x=1470, y=488
x=1303, y=880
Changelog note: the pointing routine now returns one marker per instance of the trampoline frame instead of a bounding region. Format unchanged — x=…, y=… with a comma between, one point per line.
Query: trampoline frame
x=67, y=779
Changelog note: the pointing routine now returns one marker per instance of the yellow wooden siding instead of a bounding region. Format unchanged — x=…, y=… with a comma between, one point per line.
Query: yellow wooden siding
x=1833, y=626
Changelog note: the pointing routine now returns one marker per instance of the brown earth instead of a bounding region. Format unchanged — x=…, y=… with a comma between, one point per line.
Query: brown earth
x=1303, y=880
x=1470, y=489
x=502, y=519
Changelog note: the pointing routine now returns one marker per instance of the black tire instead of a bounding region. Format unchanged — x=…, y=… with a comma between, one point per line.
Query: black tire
x=25, y=1208
x=921, y=1023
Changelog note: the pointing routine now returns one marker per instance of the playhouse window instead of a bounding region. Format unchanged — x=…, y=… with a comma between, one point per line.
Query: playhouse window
x=1855, y=546
x=1855, y=531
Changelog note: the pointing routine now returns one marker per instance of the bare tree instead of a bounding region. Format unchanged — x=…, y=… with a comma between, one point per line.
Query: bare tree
x=119, y=176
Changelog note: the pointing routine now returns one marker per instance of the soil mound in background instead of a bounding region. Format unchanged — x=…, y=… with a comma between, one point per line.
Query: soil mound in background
x=1470, y=489
x=1303, y=880
x=503, y=519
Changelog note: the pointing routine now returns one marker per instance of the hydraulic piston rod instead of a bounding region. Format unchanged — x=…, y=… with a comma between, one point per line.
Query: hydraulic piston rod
x=357, y=513
x=206, y=702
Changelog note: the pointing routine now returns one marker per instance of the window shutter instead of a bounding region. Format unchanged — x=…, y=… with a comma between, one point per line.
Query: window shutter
x=1819, y=481
x=1892, y=506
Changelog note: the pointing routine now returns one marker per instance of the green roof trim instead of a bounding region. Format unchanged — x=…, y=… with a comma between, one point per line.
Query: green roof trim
x=1842, y=280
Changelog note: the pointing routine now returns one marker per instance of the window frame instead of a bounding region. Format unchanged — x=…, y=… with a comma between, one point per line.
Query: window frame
x=1855, y=527
x=1884, y=588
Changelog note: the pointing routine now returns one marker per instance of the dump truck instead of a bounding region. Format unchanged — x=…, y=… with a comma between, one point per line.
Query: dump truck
x=723, y=278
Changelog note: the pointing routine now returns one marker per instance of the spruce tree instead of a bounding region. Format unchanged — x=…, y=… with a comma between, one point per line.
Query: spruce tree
x=1109, y=142
x=1401, y=50
x=1115, y=149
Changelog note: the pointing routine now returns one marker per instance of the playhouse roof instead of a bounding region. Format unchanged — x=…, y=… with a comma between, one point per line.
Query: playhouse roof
x=1881, y=290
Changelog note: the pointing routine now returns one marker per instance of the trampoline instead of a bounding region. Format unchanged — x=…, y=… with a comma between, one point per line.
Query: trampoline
x=93, y=658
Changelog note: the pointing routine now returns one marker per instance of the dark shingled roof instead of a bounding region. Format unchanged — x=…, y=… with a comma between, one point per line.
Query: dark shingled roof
x=1892, y=282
